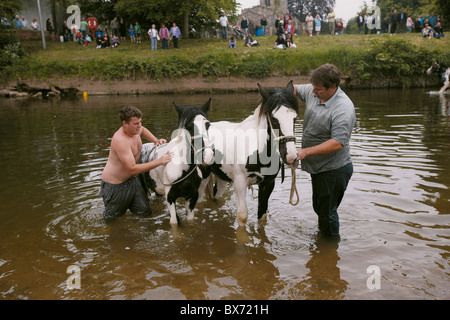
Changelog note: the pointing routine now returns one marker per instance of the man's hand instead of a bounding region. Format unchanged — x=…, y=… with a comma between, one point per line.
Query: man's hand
x=160, y=142
x=166, y=158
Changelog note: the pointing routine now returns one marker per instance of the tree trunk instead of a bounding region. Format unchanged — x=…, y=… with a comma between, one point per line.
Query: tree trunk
x=186, y=26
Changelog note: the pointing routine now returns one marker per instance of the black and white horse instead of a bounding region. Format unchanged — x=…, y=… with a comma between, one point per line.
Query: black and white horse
x=443, y=72
x=191, y=152
x=249, y=152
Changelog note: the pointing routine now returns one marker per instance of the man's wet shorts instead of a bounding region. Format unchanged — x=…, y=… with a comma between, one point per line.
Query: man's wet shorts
x=118, y=198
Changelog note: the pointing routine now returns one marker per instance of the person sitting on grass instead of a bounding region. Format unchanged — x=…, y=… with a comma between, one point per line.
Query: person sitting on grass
x=99, y=41
x=105, y=42
x=289, y=42
x=280, y=43
x=115, y=41
x=249, y=41
x=87, y=41
x=428, y=32
x=232, y=42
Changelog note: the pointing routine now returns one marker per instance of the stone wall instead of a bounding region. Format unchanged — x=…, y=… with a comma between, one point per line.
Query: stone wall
x=255, y=14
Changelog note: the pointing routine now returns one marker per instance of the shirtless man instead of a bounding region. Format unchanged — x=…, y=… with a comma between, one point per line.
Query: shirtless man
x=120, y=187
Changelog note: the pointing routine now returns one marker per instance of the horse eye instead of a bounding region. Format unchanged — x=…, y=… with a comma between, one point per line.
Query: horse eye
x=207, y=125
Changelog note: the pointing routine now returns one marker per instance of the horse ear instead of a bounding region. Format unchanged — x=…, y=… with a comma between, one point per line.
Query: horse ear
x=178, y=108
x=206, y=106
x=263, y=92
x=290, y=87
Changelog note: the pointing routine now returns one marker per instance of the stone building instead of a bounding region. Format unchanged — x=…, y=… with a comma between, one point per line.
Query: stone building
x=269, y=9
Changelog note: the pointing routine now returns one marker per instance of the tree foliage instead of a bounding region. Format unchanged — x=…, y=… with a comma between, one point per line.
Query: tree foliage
x=188, y=14
x=300, y=8
x=10, y=8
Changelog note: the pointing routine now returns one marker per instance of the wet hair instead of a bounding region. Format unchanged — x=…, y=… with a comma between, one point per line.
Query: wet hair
x=128, y=112
x=326, y=75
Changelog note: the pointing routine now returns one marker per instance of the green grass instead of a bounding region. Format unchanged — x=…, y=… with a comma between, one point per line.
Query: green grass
x=361, y=57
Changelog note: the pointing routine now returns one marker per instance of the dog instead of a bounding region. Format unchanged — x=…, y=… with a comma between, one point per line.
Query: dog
x=443, y=72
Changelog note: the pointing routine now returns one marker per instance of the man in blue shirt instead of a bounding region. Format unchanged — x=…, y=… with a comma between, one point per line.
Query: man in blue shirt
x=325, y=153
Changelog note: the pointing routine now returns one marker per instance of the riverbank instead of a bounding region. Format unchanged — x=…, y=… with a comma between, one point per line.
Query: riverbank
x=208, y=65
x=71, y=87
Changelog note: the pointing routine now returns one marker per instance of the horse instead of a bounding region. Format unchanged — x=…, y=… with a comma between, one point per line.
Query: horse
x=443, y=72
x=191, y=150
x=249, y=152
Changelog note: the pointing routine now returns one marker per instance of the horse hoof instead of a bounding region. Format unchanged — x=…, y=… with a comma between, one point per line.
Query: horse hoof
x=242, y=222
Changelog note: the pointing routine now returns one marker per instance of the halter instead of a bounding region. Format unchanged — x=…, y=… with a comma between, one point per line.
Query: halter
x=195, y=153
x=294, y=165
x=280, y=139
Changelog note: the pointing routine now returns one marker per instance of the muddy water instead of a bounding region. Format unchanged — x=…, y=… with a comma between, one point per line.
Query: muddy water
x=394, y=217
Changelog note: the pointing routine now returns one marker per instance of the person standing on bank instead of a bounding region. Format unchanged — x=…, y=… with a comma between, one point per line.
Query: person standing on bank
x=175, y=32
x=121, y=188
x=325, y=153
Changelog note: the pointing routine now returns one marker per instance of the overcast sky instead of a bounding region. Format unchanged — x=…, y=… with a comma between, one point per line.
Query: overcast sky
x=344, y=9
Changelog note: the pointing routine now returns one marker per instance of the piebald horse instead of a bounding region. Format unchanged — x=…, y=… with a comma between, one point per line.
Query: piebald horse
x=191, y=151
x=249, y=152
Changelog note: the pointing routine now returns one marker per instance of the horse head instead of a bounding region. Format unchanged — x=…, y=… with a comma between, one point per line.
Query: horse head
x=280, y=106
x=194, y=119
x=435, y=68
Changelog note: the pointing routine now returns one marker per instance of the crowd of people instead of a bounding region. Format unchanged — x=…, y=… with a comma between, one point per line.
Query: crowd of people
x=111, y=34
x=429, y=25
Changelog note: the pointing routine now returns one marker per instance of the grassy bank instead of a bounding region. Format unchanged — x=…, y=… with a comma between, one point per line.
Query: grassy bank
x=366, y=60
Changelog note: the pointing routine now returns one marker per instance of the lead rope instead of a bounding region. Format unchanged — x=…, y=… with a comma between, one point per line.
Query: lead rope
x=293, y=166
x=294, y=185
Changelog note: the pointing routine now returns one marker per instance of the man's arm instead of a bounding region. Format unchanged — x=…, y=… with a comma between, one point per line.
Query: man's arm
x=326, y=147
x=125, y=155
x=151, y=137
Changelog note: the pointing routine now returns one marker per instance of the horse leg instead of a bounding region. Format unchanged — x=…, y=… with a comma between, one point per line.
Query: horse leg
x=171, y=205
x=444, y=87
x=221, y=186
x=265, y=190
x=240, y=189
x=202, y=188
x=190, y=206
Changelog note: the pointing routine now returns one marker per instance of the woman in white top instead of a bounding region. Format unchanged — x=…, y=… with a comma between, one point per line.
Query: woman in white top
x=34, y=24
x=153, y=33
x=309, y=23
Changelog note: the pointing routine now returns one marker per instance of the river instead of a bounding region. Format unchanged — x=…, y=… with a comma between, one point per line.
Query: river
x=395, y=230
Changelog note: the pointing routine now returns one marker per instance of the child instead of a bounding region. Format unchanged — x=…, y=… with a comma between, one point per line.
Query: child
x=137, y=28
x=132, y=37
x=105, y=42
x=232, y=42
x=289, y=42
x=88, y=40
x=99, y=41
x=115, y=41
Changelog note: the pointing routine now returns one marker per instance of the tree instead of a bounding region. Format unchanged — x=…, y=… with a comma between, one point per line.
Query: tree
x=10, y=8
x=300, y=8
x=443, y=8
x=188, y=14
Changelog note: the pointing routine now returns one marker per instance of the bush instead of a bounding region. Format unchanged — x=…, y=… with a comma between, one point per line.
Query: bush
x=396, y=62
x=10, y=48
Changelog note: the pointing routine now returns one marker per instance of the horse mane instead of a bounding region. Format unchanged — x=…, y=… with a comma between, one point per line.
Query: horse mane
x=188, y=115
x=277, y=97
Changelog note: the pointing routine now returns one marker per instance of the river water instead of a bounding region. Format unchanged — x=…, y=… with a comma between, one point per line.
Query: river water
x=394, y=217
